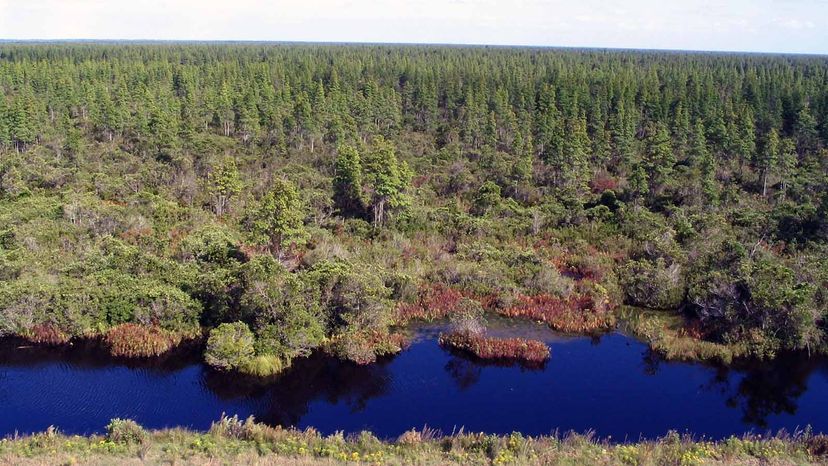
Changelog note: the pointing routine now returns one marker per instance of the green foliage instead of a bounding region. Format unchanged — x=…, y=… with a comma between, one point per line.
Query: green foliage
x=230, y=346
x=224, y=183
x=233, y=440
x=387, y=180
x=278, y=219
x=348, y=181
x=125, y=431
x=140, y=186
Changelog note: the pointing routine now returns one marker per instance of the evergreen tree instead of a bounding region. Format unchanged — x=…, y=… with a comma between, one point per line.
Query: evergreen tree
x=660, y=158
x=348, y=195
x=278, y=219
x=788, y=160
x=805, y=131
x=769, y=158
x=224, y=183
x=386, y=180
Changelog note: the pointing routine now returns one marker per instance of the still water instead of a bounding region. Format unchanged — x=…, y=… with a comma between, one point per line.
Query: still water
x=612, y=385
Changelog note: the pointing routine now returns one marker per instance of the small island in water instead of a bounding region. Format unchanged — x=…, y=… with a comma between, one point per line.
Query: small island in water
x=412, y=254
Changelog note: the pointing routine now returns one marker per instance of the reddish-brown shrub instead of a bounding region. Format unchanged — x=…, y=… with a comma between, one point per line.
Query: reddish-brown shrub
x=483, y=347
x=139, y=341
x=603, y=182
x=576, y=314
x=47, y=334
x=435, y=302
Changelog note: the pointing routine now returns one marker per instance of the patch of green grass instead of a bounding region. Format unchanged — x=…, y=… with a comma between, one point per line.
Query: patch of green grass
x=233, y=441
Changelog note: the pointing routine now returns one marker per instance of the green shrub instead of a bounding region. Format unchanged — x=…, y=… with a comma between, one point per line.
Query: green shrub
x=229, y=346
x=125, y=431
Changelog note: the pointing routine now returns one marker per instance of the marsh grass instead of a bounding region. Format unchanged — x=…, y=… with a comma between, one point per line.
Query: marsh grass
x=231, y=440
x=139, y=341
x=667, y=335
x=575, y=314
x=483, y=347
x=47, y=335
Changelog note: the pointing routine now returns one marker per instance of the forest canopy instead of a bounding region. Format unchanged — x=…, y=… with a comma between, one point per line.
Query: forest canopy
x=285, y=198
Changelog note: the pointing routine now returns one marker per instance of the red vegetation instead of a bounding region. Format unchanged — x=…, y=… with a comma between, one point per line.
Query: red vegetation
x=521, y=349
x=603, y=182
x=435, y=302
x=47, y=334
x=133, y=235
x=576, y=314
x=139, y=341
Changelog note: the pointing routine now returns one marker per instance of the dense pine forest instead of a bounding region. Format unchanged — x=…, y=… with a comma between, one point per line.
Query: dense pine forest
x=273, y=200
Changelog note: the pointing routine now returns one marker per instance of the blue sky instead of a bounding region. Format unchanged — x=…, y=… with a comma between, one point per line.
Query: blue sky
x=799, y=26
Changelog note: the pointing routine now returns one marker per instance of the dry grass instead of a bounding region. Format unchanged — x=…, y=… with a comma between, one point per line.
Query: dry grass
x=48, y=335
x=139, y=341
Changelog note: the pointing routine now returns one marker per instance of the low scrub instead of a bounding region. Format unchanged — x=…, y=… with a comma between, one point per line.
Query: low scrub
x=519, y=349
x=235, y=441
x=125, y=431
x=47, y=335
x=576, y=314
x=363, y=347
x=139, y=341
x=435, y=302
x=674, y=340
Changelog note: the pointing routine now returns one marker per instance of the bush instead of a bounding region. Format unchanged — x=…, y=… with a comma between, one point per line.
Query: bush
x=652, y=284
x=139, y=341
x=230, y=346
x=125, y=431
x=47, y=334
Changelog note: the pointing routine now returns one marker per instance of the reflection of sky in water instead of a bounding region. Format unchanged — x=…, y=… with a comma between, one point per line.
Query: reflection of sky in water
x=612, y=385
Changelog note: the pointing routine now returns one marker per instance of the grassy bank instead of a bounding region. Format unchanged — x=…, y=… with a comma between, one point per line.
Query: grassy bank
x=231, y=441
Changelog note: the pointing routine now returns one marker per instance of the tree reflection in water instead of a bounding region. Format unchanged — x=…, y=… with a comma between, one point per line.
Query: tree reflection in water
x=286, y=399
x=759, y=388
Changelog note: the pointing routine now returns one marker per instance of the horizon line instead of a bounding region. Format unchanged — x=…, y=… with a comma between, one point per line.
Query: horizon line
x=409, y=44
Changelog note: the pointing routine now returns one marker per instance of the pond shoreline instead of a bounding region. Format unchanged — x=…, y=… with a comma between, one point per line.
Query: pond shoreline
x=248, y=442
x=589, y=383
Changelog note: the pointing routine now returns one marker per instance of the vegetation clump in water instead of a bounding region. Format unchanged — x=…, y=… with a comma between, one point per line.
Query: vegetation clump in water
x=519, y=349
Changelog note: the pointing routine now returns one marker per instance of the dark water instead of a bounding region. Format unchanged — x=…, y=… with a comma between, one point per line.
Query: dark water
x=611, y=385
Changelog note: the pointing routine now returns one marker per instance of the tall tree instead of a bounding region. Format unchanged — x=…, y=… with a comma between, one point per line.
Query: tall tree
x=387, y=180
x=769, y=158
x=278, y=219
x=348, y=181
x=224, y=182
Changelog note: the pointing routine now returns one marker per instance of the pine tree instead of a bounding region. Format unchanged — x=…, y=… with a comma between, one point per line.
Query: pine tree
x=278, y=219
x=805, y=130
x=23, y=129
x=549, y=129
x=348, y=181
x=224, y=182
x=700, y=157
x=745, y=136
x=387, y=180
x=660, y=158
x=769, y=158
x=788, y=160
x=5, y=123
x=574, y=161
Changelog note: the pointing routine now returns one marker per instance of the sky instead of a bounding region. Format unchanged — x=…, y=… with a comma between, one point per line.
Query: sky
x=791, y=26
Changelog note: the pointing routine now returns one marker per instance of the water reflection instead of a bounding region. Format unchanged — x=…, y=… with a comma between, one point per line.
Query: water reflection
x=611, y=384
x=287, y=398
x=759, y=389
